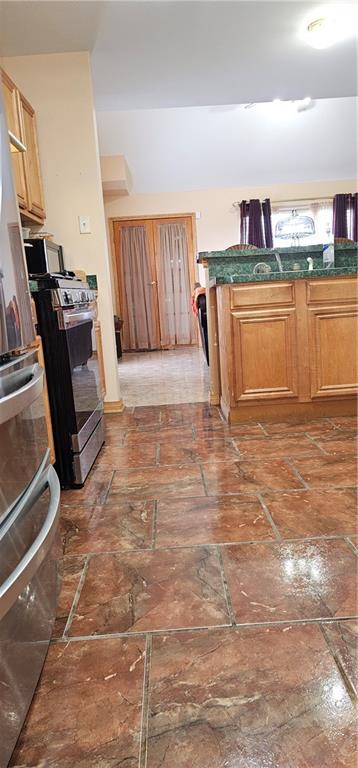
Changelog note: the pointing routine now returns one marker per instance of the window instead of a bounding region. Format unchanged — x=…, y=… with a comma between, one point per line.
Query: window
x=321, y=213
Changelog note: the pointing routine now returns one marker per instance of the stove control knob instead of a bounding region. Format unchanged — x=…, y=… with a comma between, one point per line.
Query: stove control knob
x=66, y=297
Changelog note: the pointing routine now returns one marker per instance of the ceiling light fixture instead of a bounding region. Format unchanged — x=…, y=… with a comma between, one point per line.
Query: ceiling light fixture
x=331, y=25
x=289, y=105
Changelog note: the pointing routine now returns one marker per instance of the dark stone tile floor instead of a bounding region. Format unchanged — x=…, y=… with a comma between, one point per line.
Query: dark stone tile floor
x=208, y=612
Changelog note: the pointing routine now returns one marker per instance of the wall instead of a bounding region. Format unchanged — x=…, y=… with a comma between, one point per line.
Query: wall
x=59, y=88
x=217, y=227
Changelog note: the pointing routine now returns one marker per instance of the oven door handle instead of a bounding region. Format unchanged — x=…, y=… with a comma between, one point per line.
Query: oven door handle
x=13, y=586
x=70, y=317
x=11, y=405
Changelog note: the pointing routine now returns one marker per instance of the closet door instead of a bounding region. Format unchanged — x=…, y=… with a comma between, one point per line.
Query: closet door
x=174, y=258
x=137, y=285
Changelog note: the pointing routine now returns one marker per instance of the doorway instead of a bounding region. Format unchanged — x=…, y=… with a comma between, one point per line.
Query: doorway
x=154, y=279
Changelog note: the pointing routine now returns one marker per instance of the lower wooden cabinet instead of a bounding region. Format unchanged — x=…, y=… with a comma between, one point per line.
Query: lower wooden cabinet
x=333, y=351
x=290, y=358
x=265, y=354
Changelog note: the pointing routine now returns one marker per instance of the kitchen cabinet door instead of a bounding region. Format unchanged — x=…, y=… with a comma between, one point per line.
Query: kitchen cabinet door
x=333, y=350
x=15, y=125
x=35, y=198
x=265, y=354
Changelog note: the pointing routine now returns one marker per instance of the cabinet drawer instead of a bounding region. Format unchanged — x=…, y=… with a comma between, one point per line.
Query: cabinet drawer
x=268, y=294
x=326, y=290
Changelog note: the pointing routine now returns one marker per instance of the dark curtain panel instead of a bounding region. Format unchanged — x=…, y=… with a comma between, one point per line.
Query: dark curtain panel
x=354, y=203
x=244, y=221
x=255, y=223
x=256, y=234
x=266, y=210
x=345, y=216
x=340, y=218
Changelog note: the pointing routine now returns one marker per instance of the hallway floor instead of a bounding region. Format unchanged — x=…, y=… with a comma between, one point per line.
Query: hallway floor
x=208, y=613
x=178, y=375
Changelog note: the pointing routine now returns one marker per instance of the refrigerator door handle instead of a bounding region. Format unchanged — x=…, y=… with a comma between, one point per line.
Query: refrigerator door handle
x=12, y=587
x=11, y=405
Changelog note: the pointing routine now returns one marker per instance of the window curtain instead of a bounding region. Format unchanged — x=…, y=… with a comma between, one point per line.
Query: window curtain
x=176, y=318
x=345, y=216
x=255, y=223
x=139, y=323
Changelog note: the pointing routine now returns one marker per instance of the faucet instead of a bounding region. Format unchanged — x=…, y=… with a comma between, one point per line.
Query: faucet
x=279, y=262
x=310, y=263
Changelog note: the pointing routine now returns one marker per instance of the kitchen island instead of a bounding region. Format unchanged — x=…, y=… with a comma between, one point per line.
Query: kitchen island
x=282, y=344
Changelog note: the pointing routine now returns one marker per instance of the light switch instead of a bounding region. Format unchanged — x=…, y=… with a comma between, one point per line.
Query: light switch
x=85, y=225
x=198, y=215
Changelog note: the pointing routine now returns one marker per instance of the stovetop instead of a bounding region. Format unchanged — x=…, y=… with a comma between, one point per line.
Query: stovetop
x=66, y=289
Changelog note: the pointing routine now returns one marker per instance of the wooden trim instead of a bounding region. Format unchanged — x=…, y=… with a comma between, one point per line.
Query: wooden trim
x=213, y=340
x=30, y=218
x=113, y=406
x=37, y=345
x=286, y=411
x=138, y=217
x=100, y=358
x=114, y=270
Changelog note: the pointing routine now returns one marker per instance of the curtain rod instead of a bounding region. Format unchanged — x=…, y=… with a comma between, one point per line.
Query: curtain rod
x=294, y=201
x=305, y=200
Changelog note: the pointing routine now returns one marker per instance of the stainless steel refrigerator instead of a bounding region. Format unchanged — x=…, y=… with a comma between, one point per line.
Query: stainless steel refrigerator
x=29, y=487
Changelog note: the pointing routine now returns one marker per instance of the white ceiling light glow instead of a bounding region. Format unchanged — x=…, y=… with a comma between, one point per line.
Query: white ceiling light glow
x=290, y=106
x=329, y=25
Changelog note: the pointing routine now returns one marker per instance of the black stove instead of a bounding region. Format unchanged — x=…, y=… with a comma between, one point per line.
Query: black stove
x=66, y=311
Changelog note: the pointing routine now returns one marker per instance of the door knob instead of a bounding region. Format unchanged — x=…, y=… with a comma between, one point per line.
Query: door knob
x=154, y=282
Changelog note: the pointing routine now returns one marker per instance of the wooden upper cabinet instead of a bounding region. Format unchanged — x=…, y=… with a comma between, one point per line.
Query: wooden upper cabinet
x=35, y=198
x=21, y=122
x=15, y=125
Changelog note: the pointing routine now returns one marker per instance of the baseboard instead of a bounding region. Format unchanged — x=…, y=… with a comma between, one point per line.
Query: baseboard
x=113, y=406
x=286, y=411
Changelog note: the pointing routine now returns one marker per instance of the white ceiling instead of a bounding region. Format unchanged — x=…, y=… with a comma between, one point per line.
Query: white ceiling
x=202, y=147
x=165, y=54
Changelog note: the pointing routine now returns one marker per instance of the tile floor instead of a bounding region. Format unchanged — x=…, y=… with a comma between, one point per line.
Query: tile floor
x=208, y=613
x=178, y=375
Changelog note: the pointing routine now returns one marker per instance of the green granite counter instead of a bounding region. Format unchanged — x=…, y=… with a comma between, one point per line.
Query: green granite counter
x=238, y=266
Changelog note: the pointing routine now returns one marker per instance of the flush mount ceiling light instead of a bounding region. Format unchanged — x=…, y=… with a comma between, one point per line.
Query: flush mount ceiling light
x=288, y=106
x=330, y=25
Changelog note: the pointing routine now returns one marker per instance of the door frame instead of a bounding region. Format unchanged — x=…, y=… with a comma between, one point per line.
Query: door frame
x=114, y=242
x=193, y=271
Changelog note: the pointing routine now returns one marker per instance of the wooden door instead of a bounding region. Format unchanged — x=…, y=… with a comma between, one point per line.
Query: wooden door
x=265, y=354
x=174, y=260
x=35, y=197
x=136, y=284
x=127, y=303
x=14, y=123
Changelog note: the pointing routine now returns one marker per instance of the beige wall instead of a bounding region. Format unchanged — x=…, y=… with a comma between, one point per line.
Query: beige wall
x=217, y=227
x=60, y=90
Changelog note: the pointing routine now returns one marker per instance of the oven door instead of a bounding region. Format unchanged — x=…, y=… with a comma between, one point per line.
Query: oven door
x=88, y=405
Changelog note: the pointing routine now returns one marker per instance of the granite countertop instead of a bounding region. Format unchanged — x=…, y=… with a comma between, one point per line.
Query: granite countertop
x=302, y=274
x=294, y=250
x=238, y=266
